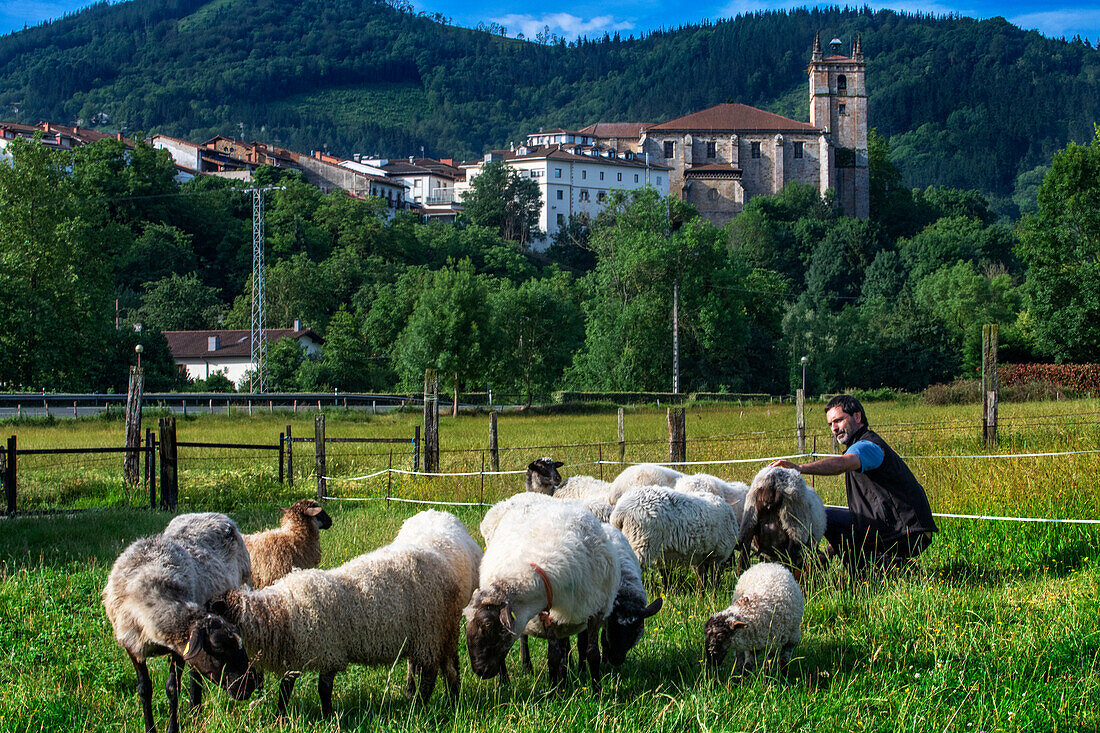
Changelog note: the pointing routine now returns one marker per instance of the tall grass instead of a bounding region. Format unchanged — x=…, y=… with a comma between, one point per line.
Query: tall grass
x=994, y=630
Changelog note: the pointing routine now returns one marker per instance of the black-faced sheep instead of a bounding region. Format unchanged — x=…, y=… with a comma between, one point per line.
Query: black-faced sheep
x=543, y=476
x=155, y=596
x=784, y=517
x=296, y=543
x=766, y=615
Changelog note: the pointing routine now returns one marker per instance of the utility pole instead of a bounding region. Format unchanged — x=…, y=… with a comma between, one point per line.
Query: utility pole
x=259, y=318
x=676, y=336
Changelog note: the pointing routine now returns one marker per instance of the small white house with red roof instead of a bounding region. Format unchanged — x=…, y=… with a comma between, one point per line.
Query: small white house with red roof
x=229, y=351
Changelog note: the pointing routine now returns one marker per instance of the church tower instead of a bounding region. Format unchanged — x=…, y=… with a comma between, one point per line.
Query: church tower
x=838, y=105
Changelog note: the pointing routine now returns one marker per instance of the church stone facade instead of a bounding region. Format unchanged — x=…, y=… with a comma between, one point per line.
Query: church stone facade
x=723, y=156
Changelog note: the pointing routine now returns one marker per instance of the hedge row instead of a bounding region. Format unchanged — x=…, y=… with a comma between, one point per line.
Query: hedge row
x=1076, y=378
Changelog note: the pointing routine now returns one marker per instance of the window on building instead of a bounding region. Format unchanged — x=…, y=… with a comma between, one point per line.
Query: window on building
x=658, y=180
x=635, y=177
x=619, y=176
x=584, y=174
x=557, y=173
x=842, y=109
x=601, y=195
x=842, y=84
x=561, y=220
x=583, y=196
x=601, y=175
x=670, y=148
x=561, y=194
x=755, y=147
x=712, y=149
x=797, y=149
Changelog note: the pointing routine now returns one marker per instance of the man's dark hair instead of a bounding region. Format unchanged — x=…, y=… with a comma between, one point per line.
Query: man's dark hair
x=849, y=404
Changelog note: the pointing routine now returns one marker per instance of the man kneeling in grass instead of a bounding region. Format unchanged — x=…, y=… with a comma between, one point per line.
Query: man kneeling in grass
x=888, y=519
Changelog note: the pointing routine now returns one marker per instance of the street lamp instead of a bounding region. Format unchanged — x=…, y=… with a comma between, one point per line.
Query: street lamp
x=804, y=360
x=139, y=348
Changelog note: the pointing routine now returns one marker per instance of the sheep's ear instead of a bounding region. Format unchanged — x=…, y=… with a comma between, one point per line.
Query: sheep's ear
x=558, y=464
x=735, y=625
x=508, y=617
x=217, y=606
x=194, y=644
x=284, y=509
x=313, y=511
x=653, y=608
x=533, y=466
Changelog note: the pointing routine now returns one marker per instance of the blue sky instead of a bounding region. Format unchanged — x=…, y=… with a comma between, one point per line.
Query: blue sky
x=572, y=18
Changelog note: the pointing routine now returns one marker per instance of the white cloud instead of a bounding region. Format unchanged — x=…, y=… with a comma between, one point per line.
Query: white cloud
x=564, y=24
x=1058, y=23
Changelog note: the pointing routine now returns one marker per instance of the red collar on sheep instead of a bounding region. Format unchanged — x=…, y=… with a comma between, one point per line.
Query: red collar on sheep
x=544, y=616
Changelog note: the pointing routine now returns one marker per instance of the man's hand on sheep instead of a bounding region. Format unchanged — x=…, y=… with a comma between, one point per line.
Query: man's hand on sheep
x=782, y=463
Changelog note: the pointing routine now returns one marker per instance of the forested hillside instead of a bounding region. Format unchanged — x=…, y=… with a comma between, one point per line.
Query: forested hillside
x=974, y=105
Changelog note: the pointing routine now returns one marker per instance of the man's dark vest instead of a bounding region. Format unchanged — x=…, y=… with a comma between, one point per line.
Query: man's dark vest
x=888, y=500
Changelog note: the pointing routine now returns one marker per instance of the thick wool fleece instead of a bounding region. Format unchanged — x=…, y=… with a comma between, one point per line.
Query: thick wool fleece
x=584, y=487
x=158, y=586
x=446, y=534
x=643, y=474
x=398, y=602
x=731, y=492
x=677, y=527
x=770, y=601
x=295, y=543
x=568, y=543
x=801, y=511
x=631, y=595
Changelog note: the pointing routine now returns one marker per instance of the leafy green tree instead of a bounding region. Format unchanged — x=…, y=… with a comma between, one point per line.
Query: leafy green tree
x=161, y=250
x=1061, y=248
x=501, y=199
x=284, y=359
x=345, y=356
x=179, y=303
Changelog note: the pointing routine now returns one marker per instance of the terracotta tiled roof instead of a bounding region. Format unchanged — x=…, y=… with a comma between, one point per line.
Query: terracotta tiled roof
x=712, y=168
x=615, y=129
x=565, y=152
x=236, y=342
x=734, y=117
x=840, y=58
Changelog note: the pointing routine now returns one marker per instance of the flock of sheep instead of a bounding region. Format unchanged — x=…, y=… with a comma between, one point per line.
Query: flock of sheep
x=562, y=559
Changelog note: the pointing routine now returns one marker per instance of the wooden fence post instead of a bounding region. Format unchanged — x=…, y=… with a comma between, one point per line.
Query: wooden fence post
x=622, y=438
x=677, y=435
x=169, y=466
x=800, y=419
x=431, y=421
x=9, y=475
x=990, y=385
x=282, y=453
x=319, y=445
x=289, y=458
x=494, y=452
x=151, y=466
x=416, y=450
x=134, y=395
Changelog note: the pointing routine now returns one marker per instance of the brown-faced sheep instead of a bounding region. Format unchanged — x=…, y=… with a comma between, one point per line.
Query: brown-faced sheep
x=295, y=543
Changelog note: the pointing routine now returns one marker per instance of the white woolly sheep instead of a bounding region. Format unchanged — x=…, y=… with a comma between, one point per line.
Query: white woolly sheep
x=398, y=602
x=155, y=596
x=447, y=535
x=626, y=623
x=529, y=498
x=584, y=487
x=296, y=543
x=548, y=571
x=642, y=474
x=766, y=615
x=543, y=476
x=674, y=527
x=783, y=517
x=732, y=492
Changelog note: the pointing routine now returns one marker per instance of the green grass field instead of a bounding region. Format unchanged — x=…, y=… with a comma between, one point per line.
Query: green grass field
x=995, y=631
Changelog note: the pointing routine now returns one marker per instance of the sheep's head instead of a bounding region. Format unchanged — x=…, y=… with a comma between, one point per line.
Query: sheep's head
x=309, y=509
x=214, y=649
x=624, y=629
x=543, y=476
x=490, y=631
x=719, y=634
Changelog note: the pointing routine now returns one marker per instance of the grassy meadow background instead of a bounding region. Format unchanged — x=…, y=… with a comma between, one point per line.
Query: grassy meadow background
x=995, y=630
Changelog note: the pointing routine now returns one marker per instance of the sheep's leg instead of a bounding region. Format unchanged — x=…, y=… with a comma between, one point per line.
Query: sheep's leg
x=145, y=692
x=591, y=647
x=195, y=692
x=286, y=687
x=503, y=673
x=410, y=679
x=525, y=654
x=785, y=658
x=556, y=662
x=451, y=673
x=324, y=691
x=749, y=663
x=172, y=689
x=428, y=673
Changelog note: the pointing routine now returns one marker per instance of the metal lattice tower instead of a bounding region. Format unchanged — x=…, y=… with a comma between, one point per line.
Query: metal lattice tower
x=259, y=320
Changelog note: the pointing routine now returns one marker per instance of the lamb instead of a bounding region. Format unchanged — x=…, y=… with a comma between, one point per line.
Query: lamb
x=398, y=602
x=548, y=571
x=154, y=600
x=446, y=534
x=783, y=517
x=732, y=492
x=543, y=476
x=766, y=615
x=642, y=474
x=296, y=543
x=674, y=527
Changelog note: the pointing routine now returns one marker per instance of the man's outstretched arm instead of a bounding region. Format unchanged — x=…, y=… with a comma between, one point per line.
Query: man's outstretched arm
x=827, y=466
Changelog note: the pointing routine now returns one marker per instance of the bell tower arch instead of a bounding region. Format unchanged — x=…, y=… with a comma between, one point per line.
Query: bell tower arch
x=838, y=105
